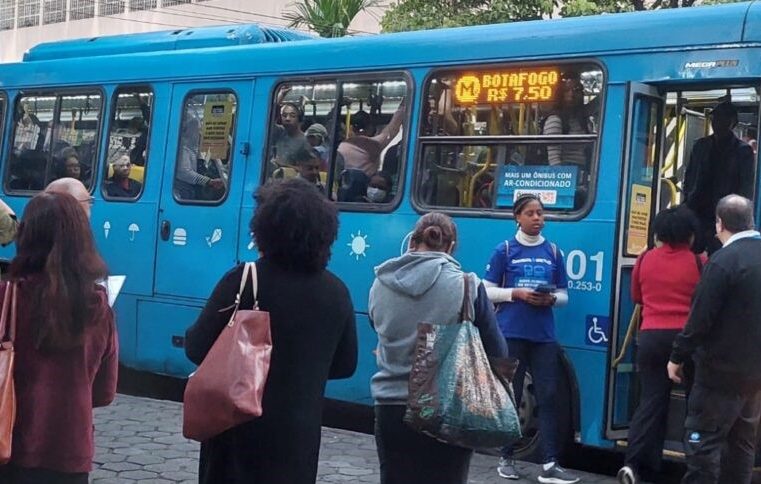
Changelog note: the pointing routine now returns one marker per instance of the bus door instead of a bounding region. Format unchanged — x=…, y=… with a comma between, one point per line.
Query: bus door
x=202, y=187
x=640, y=194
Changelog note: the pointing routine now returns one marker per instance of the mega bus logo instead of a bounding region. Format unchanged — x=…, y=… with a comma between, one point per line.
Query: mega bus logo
x=712, y=64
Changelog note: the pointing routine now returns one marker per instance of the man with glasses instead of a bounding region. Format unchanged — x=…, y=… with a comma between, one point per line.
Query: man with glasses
x=720, y=164
x=75, y=188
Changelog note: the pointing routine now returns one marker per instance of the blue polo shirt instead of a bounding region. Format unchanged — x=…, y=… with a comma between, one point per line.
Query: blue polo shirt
x=526, y=268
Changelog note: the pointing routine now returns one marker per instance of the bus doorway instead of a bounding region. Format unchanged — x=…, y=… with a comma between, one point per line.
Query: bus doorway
x=663, y=125
x=203, y=187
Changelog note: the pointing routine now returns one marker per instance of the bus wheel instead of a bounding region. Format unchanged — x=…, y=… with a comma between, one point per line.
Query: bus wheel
x=529, y=447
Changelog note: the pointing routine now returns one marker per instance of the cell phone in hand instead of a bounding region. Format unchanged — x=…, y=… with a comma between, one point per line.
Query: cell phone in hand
x=545, y=288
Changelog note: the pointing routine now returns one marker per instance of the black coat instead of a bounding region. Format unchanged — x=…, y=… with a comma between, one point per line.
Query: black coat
x=723, y=331
x=714, y=172
x=313, y=339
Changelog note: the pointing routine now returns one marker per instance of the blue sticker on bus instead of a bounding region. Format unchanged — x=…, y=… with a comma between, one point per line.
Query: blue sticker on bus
x=597, y=330
x=554, y=185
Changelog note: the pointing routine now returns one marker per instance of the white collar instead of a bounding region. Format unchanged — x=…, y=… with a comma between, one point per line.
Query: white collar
x=529, y=240
x=745, y=234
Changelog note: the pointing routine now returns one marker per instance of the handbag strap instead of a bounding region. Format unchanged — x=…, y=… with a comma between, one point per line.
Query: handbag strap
x=248, y=268
x=8, y=313
x=466, y=312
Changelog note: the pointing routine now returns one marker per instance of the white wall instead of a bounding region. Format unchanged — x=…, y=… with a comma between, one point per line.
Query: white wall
x=13, y=43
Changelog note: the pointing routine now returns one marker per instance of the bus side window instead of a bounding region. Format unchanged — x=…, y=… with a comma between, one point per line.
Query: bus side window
x=128, y=143
x=45, y=148
x=505, y=109
x=203, y=167
x=308, y=137
x=30, y=151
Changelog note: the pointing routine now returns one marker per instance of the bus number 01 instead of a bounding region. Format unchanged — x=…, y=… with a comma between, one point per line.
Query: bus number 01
x=576, y=265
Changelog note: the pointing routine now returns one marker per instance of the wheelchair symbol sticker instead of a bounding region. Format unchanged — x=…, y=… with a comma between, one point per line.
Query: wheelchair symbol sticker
x=597, y=330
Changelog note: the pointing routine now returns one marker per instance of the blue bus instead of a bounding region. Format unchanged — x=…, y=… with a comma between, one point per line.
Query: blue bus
x=173, y=132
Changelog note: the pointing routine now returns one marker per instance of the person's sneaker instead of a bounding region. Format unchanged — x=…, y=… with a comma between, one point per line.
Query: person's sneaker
x=506, y=469
x=626, y=475
x=555, y=474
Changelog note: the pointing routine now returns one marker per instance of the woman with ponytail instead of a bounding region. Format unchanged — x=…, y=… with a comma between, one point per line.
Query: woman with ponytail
x=425, y=284
x=66, y=346
x=526, y=278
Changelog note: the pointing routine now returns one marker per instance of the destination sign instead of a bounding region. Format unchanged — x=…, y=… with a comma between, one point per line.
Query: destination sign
x=507, y=86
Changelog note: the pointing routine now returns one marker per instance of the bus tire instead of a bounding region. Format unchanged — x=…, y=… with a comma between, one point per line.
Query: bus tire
x=529, y=447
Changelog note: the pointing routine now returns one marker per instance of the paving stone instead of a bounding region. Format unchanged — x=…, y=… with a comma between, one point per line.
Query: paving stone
x=139, y=440
x=139, y=475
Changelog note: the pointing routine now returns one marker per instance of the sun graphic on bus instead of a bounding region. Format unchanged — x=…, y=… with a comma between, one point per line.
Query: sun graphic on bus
x=358, y=245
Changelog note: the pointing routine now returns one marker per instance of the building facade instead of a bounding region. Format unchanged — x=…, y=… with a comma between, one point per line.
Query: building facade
x=26, y=23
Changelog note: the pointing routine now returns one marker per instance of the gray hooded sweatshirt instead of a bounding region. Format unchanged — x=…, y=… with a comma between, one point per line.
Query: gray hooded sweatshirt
x=420, y=287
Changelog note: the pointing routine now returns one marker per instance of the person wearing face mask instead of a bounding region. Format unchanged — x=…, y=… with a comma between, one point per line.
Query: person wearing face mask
x=719, y=164
x=379, y=188
x=526, y=278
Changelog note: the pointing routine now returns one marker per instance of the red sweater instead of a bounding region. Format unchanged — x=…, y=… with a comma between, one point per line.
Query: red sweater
x=663, y=281
x=56, y=392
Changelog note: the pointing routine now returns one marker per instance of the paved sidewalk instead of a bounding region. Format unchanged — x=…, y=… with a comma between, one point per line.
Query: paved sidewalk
x=140, y=440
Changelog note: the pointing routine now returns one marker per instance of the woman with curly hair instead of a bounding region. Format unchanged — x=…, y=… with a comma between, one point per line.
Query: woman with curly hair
x=313, y=339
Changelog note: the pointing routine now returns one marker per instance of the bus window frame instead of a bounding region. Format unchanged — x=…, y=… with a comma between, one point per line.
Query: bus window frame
x=129, y=88
x=58, y=93
x=189, y=94
x=422, y=141
x=340, y=78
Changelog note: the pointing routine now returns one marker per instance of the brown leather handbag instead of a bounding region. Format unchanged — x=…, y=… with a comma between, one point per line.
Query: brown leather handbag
x=7, y=388
x=227, y=388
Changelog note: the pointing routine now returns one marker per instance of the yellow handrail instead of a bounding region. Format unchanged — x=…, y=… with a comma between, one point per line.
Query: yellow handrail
x=633, y=326
x=672, y=189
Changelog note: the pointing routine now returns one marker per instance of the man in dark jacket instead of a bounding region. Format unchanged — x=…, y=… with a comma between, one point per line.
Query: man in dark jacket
x=121, y=185
x=719, y=164
x=723, y=336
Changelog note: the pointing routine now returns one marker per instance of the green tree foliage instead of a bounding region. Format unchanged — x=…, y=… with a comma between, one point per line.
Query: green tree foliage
x=405, y=15
x=329, y=18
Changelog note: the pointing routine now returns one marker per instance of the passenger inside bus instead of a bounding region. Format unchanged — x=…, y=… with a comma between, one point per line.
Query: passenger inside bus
x=27, y=131
x=190, y=182
x=307, y=164
x=379, y=188
x=120, y=185
x=317, y=136
x=720, y=164
x=569, y=116
x=71, y=166
x=362, y=151
x=138, y=126
x=286, y=136
x=28, y=171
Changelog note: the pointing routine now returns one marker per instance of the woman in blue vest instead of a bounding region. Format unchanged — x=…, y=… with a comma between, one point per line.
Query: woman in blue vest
x=525, y=278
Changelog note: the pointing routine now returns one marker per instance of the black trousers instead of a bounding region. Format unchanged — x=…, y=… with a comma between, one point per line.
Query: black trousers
x=20, y=475
x=408, y=457
x=720, y=436
x=648, y=426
